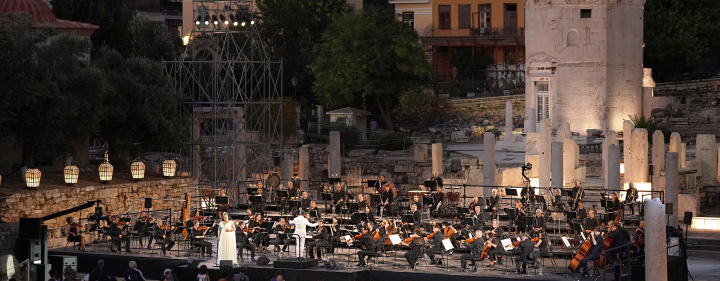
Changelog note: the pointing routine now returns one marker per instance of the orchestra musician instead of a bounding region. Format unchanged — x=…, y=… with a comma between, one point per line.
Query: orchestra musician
x=313, y=207
x=475, y=247
x=386, y=200
x=322, y=240
x=581, y=212
x=597, y=246
x=249, y=215
x=558, y=201
x=577, y=193
x=496, y=247
x=141, y=226
x=437, y=179
x=386, y=229
x=116, y=235
x=631, y=196
x=380, y=183
x=438, y=199
x=472, y=205
x=638, y=244
x=494, y=200
x=221, y=208
x=259, y=206
x=243, y=241
x=292, y=191
x=526, y=255
x=370, y=213
x=527, y=193
x=478, y=221
x=542, y=245
x=261, y=237
x=361, y=203
x=416, y=243
x=197, y=239
x=620, y=237
x=416, y=201
x=417, y=217
x=339, y=198
x=497, y=229
x=614, y=206
x=449, y=232
x=281, y=236
x=521, y=212
x=305, y=201
x=368, y=245
x=591, y=222
x=72, y=230
x=162, y=238
x=435, y=243
x=539, y=225
x=334, y=234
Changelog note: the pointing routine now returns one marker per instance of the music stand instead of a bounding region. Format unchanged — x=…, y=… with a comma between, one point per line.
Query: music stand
x=510, y=212
x=314, y=214
x=427, y=201
x=603, y=203
x=358, y=217
x=334, y=180
x=375, y=198
x=567, y=192
x=469, y=221
x=511, y=191
x=462, y=210
x=222, y=200
x=373, y=183
x=408, y=219
x=570, y=215
x=255, y=199
x=430, y=184
x=252, y=190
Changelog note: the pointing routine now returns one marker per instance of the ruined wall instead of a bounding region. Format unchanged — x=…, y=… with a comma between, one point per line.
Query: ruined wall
x=695, y=108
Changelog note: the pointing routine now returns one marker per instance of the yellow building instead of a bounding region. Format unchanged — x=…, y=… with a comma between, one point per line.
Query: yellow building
x=494, y=28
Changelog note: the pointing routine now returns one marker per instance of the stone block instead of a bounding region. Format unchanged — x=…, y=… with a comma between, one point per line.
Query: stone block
x=580, y=174
x=455, y=165
x=421, y=153
x=474, y=175
x=639, y=152
x=706, y=154
x=563, y=132
x=531, y=144
x=627, y=144
x=437, y=158
x=470, y=162
x=688, y=202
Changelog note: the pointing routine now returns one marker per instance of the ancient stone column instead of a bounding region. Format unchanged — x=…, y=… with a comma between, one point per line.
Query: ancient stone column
x=544, y=144
x=613, y=168
x=655, y=241
x=627, y=143
x=610, y=138
x=334, y=155
x=489, y=160
x=676, y=146
x=286, y=170
x=706, y=154
x=672, y=184
x=304, y=168
x=508, y=120
x=563, y=132
x=437, y=158
x=683, y=155
x=557, y=164
x=420, y=153
x=639, y=154
x=571, y=153
x=658, y=159
x=531, y=120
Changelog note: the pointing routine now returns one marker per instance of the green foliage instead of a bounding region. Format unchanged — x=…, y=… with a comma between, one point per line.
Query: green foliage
x=680, y=30
x=422, y=108
x=369, y=56
x=649, y=124
x=52, y=94
x=391, y=140
x=151, y=40
x=467, y=64
x=112, y=16
x=350, y=136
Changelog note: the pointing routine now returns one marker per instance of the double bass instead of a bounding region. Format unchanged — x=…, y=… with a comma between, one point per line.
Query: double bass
x=600, y=263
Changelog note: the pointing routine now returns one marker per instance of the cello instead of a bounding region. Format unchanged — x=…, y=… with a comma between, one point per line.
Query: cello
x=582, y=252
x=486, y=248
x=600, y=263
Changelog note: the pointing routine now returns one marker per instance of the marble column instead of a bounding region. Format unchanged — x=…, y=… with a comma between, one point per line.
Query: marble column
x=613, y=172
x=683, y=155
x=610, y=138
x=531, y=120
x=563, y=132
x=286, y=170
x=489, y=160
x=557, y=164
x=639, y=156
x=420, y=153
x=571, y=154
x=658, y=160
x=655, y=241
x=508, y=120
x=437, y=158
x=675, y=146
x=545, y=152
x=672, y=184
x=706, y=154
x=627, y=144
x=334, y=155
x=304, y=169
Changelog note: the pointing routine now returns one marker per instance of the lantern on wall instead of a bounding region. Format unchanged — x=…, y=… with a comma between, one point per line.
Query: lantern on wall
x=106, y=170
x=137, y=169
x=168, y=167
x=32, y=178
x=71, y=175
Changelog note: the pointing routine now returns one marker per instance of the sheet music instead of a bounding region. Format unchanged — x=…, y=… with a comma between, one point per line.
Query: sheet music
x=566, y=242
x=518, y=238
x=470, y=234
x=447, y=244
x=583, y=235
x=395, y=239
x=507, y=244
x=346, y=239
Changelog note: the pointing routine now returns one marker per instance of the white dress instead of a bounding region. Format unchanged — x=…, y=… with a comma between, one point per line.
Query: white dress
x=226, y=243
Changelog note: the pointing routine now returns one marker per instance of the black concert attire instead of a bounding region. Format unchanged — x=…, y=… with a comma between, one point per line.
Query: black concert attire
x=379, y=185
x=317, y=210
x=292, y=192
x=305, y=203
x=499, y=250
x=281, y=235
x=520, y=224
x=261, y=237
x=243, y=242
x=438, y=248
x=205, y=247
x=74, y=234
x=437, y=180
x=114, y=231
x=582, y=214
x=337, y=195
x=259, y=207
x=525, y=250
x=620, y=237
x=437, y=198
x=417, y=221
x=575, y=191
x=371, y=215
x=594, y=254
x=630, y=197
x=368, y=242
x=476, y=248
x=141, y=226
x=387, y=196
x=494, y=200
x=415, y=251
x=539, y=223
x=558, y=203
x=499, y=232
x=543, y=248
x=591, y=223
x=638, y=246
x=472, y=206
x=322, y=240
x=419, y=204
x=158, y=233
x=529, y=192
x=478, y=222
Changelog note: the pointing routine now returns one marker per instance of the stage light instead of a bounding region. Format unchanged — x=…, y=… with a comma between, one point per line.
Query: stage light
x=71, y=175
x=197, y=22
x=32, y=178
x=252, y=22
x=106, y=170
x=224, y=19
x=169, y=168
x=186, y=40
x=207, y=20
x=243, y=23
x=215, y=19
x=137, y=169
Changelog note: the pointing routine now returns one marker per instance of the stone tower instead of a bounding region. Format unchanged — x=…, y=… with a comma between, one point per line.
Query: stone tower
x=584, y=62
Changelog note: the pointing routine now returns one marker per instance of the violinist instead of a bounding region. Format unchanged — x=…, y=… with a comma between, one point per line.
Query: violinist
x=438, y=199
x=260, y=238
x=620, y=237
x=281, y=230
x=73, y=231
x=249, y=215
x=542, y=245
x=116, y=235
x=496, y=247
x=323, y=240
x=631, y=196
x=497, y=229
x=591, y=222
x=386, y=229
x=143, y=229
x=162, y=238
x=197, y=239
x=595, y=250
x=415, y=242
x=475, y=245
x=368, y=245
x=437, y=179
x=243, y=242
x=435, y=242
x=525, y=251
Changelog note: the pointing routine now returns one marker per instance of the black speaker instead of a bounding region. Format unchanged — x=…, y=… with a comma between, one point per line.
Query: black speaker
x=193, y=262
x=42, y=272
x=263, y=260
x=225, y=264
x=688, y=218
x=60, y=263
x=30, y=228
x=148, y=203
x=331, y=264
x=28, y=249
x=668, y=208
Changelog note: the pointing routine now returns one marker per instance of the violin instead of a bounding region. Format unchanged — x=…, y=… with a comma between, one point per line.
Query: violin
x=470, y=240
x=167, y=227
x=203, y=228
x=76, y=225
x=409, y=240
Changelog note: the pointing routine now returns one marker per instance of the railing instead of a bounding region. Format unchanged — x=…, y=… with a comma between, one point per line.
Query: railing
x=486, y=31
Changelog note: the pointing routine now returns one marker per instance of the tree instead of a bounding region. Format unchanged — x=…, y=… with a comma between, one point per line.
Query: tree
x=151, y=40
x=680, y=30
x=53, y=94
x=113, y=17
x=369, y=56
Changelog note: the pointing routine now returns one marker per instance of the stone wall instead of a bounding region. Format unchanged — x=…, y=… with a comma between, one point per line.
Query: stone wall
x=694, y=110
x=117, y=198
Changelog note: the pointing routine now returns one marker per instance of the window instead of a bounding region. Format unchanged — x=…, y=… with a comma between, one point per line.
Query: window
x=444, y=17
x=483, y=19
x=464, y=16
x=585, y=13
x=543, y=101
x=409, y=18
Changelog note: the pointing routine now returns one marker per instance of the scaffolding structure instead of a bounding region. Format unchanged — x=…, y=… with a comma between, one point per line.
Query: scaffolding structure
x=234, y=94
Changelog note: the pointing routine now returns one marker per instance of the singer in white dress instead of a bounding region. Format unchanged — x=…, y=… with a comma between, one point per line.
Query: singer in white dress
x=226, y=242
x=300, y=223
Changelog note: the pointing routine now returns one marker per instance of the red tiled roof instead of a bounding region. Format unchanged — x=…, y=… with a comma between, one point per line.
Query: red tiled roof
x=43, y=16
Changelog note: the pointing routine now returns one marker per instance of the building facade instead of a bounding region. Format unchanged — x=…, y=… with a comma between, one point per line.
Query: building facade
x=584, y=63
x=416, y=13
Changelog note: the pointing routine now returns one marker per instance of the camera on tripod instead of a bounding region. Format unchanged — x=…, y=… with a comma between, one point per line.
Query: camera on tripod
x=525, y=168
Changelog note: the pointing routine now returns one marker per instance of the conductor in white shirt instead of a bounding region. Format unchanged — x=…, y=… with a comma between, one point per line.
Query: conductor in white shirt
x=300, y=223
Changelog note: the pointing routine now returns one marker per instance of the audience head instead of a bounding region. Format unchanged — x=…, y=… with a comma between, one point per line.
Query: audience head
x=132, y=264
x=203, y=269
x=101, y=263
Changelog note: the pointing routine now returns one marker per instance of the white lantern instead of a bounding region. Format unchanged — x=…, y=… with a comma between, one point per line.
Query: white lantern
x=169, y=168
x=32, y=178
x=137, y=169
x=71, y=174
x=106, y=172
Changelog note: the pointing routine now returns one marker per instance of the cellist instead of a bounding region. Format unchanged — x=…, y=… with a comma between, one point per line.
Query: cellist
x=496, y=248
x=594, y=253
x=620, y=237
x=415, y=242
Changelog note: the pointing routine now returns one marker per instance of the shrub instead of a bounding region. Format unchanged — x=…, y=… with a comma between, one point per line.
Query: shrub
x=425, y=108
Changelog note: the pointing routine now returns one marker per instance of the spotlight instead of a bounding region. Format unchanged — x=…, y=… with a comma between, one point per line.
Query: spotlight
x=233, y=19
x=243, y=23
x=224, y=19
x=215, y=19
x=207, y=20
x=252, y=22
x=197, y=22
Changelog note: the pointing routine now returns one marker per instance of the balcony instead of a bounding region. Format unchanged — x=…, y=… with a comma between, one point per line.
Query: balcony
x=486, y=31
